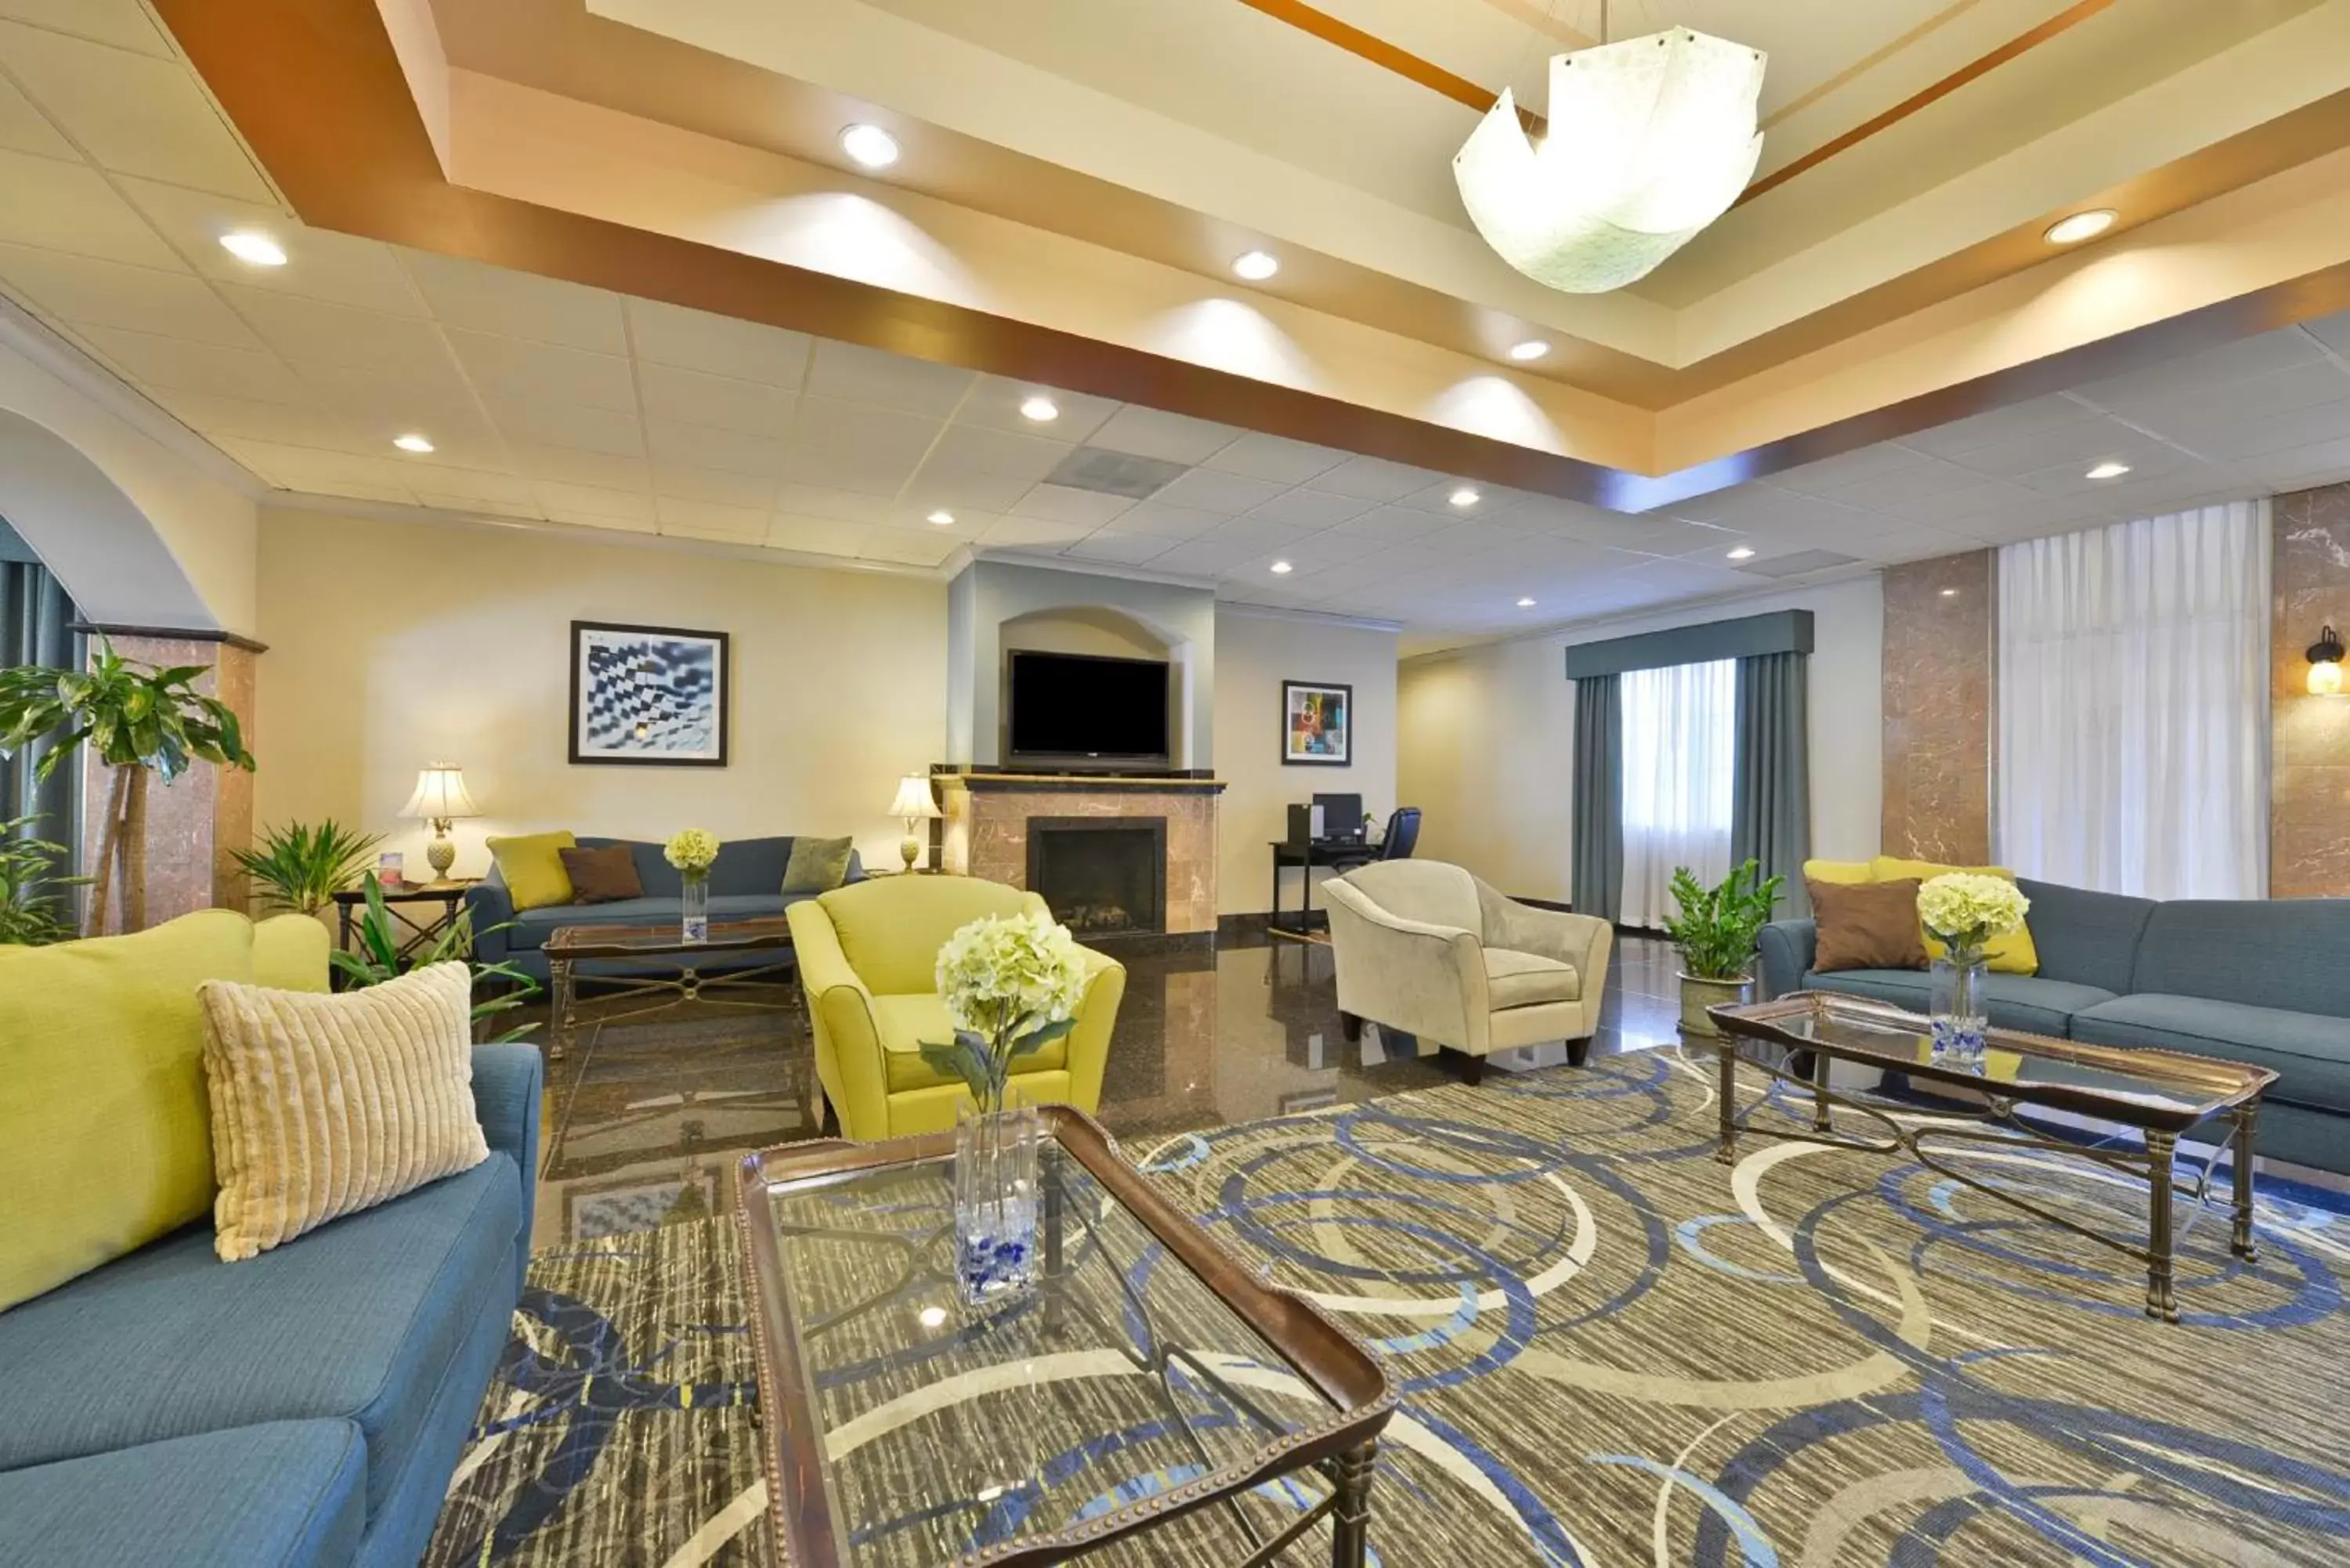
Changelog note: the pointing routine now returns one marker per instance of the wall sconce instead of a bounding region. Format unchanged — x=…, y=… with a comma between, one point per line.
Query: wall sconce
x=2325, y=664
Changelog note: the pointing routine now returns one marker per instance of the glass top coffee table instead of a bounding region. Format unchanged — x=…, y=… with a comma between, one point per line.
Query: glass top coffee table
x=2159, y=1094
x=1150, y=1382
x=751, y=957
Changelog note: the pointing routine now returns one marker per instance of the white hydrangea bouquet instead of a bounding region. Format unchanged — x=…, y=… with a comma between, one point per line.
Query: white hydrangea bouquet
x=1012, y=984
x=1968, y=911
x=692, y=850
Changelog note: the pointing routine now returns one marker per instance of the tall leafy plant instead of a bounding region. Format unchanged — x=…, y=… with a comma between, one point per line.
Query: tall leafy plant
x=1716, y=928
x=377, y=958
x=34, y=909
x=301, y=867
x=140, y=719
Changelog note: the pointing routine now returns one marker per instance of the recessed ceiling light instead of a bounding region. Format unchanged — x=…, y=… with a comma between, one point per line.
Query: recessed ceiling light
x=2080, y=226
x=1464, y=496
x=412, y=441
x=2107, y=470
x=942, y=518
x=1532, y=349
x=869, y=146
x=254, y=247
x=1525, y=603
x=1255, y=265
x=1743, y=553
x=1281, y=568
x=1042, y=410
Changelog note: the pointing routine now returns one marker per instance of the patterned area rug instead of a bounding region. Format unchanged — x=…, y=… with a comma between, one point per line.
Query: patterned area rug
x=1613, y=1349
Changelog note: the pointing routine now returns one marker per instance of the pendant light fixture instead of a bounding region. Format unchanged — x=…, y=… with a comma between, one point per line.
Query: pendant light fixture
x=1650, y=139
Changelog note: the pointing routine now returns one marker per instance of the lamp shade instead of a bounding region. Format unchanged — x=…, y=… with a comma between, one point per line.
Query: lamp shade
x=2325, y=665
x=440, y=794
x=914, y=798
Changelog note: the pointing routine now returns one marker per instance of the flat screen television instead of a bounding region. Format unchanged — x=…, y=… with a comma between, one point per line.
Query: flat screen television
x=1082, y=710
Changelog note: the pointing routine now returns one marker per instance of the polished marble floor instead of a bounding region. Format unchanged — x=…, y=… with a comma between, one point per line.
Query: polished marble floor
x=646, y=1117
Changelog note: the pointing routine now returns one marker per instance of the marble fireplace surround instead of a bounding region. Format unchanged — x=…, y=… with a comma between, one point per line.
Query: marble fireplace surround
x=984, y=832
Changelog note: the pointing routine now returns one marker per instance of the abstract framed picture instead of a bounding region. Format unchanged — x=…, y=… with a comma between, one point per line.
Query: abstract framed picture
x=1317, y=724
x=649, y=696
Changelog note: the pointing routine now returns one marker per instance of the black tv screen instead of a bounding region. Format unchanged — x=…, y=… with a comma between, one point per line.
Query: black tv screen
x=1080, y=708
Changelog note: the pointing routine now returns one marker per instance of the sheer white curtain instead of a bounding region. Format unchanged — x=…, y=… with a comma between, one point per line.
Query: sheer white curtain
x=2133, y=705
x=1679, y=745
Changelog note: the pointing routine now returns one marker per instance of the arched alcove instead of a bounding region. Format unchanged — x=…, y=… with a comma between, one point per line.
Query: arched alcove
x=89, y=532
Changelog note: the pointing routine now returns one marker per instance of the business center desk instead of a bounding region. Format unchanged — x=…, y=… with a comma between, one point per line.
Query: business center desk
x=1330, y=854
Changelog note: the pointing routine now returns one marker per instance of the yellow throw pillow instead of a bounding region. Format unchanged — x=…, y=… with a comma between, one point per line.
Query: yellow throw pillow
x=531, y=864
x=2011, y=954
x=103, y=1138
x=1841, y=873
x=324, y=1104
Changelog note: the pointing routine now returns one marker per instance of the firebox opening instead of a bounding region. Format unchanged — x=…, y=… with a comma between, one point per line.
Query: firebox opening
x=1102, y=877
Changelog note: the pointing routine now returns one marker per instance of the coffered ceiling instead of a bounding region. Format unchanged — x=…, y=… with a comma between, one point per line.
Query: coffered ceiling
x=549, y=402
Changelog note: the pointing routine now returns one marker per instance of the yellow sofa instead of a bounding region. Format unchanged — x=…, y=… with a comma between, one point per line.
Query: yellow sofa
x=868, y=955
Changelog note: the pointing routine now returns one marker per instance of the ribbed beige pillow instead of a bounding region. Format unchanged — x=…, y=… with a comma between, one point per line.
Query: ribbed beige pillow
x=325, y=1105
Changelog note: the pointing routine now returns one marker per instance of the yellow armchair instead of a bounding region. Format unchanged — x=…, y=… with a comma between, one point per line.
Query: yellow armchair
x=867, y=955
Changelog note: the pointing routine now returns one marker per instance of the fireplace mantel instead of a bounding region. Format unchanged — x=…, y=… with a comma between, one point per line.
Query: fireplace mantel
x=987, y=814
x=978, y=782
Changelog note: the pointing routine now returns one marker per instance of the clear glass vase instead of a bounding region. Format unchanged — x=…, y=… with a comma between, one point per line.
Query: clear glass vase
x=1958, y=1007
x=694, y=908
x=995, y=1202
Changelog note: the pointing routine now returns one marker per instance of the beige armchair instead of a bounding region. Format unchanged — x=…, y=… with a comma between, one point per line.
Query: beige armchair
x=1428, y=949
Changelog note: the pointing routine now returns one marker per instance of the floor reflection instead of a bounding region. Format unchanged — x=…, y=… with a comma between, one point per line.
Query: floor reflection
x=646, y=1118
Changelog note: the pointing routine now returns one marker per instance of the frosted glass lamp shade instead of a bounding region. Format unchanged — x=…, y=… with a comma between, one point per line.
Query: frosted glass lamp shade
x=913, y=798
x=1649, y=141
x=440, y=794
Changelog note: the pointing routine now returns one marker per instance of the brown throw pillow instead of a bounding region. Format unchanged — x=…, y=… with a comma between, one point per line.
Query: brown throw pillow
x=602, y=876
x=1866, y=925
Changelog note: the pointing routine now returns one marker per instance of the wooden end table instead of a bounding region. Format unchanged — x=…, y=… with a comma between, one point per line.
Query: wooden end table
x=421, y=933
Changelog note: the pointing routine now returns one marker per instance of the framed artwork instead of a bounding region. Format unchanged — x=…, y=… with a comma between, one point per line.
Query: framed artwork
x=649, y=696
x=1318, y=722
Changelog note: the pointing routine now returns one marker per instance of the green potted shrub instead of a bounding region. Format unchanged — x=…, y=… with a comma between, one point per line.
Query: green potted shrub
x=300, y=868
x=378, y=959
x=33, y=908
x=1715, y=929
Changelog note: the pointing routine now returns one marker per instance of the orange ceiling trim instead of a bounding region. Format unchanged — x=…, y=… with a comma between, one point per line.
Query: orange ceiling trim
x=1869, y=62
x=2065, y=21
x=1387, y=57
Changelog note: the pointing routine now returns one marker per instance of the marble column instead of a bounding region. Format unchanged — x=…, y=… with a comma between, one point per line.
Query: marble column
x=2309, y=737
x=1939, y=633
x=205, y=815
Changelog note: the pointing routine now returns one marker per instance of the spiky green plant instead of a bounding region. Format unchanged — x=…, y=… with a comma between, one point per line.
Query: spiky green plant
x=34, y=909
x=1716, y=928
x=301, y=867
x=377, y=958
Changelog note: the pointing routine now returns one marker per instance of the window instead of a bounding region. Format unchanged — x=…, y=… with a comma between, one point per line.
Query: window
x=2133, y=705
x=1678, y=767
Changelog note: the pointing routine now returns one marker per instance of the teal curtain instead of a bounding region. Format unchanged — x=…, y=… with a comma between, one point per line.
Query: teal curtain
x=35, y=627
x=1771, y=797
x=1597, y=880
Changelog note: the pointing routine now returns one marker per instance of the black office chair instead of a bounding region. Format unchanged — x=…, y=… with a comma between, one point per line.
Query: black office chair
x=1402, y=839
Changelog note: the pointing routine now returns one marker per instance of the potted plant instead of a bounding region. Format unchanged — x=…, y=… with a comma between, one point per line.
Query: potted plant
x=33, y=911
x=140, y=718
x=378, y=960
x=301, y=868
x=1715, y=929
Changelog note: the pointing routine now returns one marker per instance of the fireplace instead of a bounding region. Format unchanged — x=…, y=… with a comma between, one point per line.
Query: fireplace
x=1104, y=877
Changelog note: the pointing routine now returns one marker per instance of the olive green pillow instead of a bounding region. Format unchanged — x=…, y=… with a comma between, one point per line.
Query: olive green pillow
x=531, y=864
x=817, y=865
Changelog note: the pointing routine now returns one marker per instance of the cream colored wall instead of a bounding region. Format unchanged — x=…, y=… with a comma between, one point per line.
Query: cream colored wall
x=393, y=644
x=1488, y=737
x=1254, y=653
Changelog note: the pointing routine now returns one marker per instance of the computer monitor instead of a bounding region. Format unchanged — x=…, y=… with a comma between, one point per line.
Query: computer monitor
x=1342, y=815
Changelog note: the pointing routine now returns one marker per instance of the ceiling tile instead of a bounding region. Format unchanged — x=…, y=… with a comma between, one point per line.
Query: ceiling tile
x=2274, y=432
x=283, y=424
x=705, y=446
x=1149, y=432
x=713, y=485
x=1953, y=506
x=695, y=397
x=466, y=484
x=2183, y=416
x=1126, y=549
x=2333, y=331
x=2083, y=444
x=961, y=489
x=998, y=453
x=1253, y=536
x=842, y=446
x=1277, y=459
x=1212, y=490
x=859, y=375
x=71, y=207
x=994, y=404
x=135, y=114
x=1034, y=533
x=1376, y=479
x=716, y=345
x=108, y=294
x=2302, y=467
x=570, y=502
x=1394, y=523
x=2236, y=361
x=816, y=536
x=604, y=430
x=906, y=547
x=317, y=332
x=644, y=525
x=1061, y=503
x=515, y=370
x=24, y=129
x=2149, y=461
x=308, y=468
x=320, y=263
x=175, y=363
x=1168, y=522
x=703, y=520
x=843, y=505
x=1308, y=508
x=122, y=23
x=435, y=399
x=1438, y=498
x=517, y=304
x=2017, y=419
x=573, y=465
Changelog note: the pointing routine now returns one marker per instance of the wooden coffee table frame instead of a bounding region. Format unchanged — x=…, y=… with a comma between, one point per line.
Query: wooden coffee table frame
x=2228, y=1089
x=1343, y=1446
x=568, y=945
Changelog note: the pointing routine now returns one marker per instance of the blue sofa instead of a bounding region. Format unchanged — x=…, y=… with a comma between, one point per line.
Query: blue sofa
x=304, y=1407
x=2266, y=982
x=747, y=882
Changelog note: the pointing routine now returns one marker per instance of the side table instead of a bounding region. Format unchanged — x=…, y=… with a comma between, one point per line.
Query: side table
x=420, y=931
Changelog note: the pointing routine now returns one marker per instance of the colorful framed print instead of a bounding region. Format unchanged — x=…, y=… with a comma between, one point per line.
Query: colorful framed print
x=1317, y=724
x=649, y=696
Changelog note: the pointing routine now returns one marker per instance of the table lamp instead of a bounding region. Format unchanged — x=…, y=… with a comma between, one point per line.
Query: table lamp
x=440, y=799
x=915, y=804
